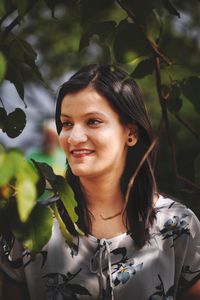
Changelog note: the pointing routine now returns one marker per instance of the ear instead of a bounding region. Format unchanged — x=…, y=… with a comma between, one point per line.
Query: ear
x=132, y=134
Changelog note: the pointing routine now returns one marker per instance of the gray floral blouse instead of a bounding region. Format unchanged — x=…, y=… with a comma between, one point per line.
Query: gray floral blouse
x=113, y=268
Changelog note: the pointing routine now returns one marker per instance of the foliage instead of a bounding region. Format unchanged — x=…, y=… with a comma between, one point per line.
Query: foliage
x=137, y=35
x=21, y=214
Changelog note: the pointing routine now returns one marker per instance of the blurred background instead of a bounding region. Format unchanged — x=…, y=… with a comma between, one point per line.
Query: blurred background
x=44, y=42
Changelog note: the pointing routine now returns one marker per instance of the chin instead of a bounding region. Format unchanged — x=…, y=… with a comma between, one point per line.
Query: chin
x=79, y=172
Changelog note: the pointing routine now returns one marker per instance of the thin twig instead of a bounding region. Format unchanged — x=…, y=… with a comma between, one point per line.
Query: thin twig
x=131, y=181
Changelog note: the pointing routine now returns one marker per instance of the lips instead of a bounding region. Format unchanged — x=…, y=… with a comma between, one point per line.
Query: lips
x=81, y=152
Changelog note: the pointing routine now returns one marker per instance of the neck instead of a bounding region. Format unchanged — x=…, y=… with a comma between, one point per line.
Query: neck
x=103, y=196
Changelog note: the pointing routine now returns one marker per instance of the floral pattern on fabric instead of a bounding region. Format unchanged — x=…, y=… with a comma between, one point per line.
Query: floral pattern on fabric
x=124, y=271
x=113, y=269
x=59, y=288
x=160, y=292
x=175, y=227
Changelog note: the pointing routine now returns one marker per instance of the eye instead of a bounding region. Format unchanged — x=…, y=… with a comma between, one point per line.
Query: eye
x=67, y=124
x=94, y=122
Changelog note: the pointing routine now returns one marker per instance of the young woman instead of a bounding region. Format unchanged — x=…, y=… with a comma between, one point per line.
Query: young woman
x=137, y=244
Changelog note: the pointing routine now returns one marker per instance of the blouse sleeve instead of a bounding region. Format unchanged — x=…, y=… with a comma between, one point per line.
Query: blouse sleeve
x=190, y=272
x=11, y=260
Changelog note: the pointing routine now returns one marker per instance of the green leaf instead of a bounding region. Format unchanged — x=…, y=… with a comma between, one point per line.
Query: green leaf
x=10, y=163
x=62, y=188
x=35, y=233
x=28, y=50
x=46, y=170
x=129, y=43
x=34, y=68
x=15, y=123
x=26, y=189
x=14, y=75
x=144, y=68
x=62, y=225
x=92, y=9
x=3, y=117
x=174, y=102
x=103, y=30
x=67, y=197
x=141, y=9
x=26, y=197
x=170, y=8
x=3, y=65
x=174, y=105
x=191, y=90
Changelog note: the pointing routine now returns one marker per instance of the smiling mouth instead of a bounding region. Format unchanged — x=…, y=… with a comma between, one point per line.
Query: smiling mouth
x=81, y=152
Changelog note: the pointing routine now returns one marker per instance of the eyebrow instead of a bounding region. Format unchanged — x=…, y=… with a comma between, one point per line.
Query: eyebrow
x=87, y=114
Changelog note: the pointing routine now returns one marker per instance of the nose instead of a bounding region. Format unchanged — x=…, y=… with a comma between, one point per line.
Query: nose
x=77, y=135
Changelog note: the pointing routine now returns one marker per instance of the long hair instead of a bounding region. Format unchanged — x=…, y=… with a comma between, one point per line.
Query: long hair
x=124, y=95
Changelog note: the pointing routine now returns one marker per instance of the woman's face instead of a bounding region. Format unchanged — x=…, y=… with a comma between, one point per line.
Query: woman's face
x=94, y=140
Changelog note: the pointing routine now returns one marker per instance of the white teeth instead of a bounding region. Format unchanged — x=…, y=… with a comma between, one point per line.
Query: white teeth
x=81, y=151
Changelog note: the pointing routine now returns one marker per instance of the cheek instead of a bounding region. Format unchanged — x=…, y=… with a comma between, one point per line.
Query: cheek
x=63, y=141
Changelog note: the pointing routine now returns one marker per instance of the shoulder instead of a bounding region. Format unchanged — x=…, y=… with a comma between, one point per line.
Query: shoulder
x=174, y=216
x=169, y=207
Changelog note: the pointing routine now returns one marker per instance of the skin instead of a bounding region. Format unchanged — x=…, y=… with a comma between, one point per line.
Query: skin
x=89, y=122
x=95, y=143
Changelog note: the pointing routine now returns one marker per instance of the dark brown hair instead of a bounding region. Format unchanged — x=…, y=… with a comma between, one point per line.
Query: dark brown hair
x=124, y=95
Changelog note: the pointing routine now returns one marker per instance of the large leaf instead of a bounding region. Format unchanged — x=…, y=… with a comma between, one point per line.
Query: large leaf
x=191, y=90
x=36, y=232
x=10, y=163
x=63, y=229
x=14, y=75
x=92, y=9
x=26, y=191
x=103, y=30
x=34, y=69
x=174, y=102
x=3, y=117
x=129, y=42
x=26, y=197
x=145, y=67
x=67, y=197
x=45, y=170
x=15, y=123
x=62, y=188
x=28, y=50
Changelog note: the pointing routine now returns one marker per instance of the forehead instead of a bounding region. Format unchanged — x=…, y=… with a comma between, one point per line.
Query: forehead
x=86, y=100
